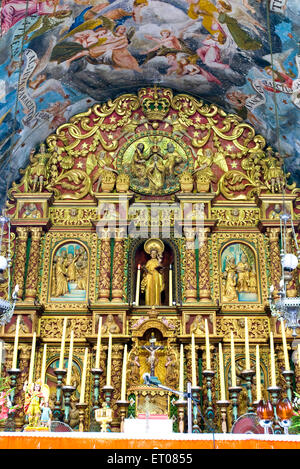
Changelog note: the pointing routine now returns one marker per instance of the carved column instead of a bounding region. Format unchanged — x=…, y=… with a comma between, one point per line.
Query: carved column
x=20, y=258
x=33, y=265
x=118, y=267
x=204, y=280
x=190, y=280
x=116, y=379
x=104, y=268
x=291, y=289
x=275, y=264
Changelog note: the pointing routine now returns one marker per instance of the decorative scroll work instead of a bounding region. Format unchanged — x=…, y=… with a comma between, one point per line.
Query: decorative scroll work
x=154, y=137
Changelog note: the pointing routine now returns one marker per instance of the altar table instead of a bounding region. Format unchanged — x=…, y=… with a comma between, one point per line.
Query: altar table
x=180, y=441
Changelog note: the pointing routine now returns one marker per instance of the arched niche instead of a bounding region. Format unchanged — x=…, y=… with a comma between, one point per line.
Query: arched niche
x=137, y=255
x=238, y=268
x=69, y=272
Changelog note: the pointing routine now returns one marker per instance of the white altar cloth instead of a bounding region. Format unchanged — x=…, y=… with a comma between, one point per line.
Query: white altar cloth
x=146, y=426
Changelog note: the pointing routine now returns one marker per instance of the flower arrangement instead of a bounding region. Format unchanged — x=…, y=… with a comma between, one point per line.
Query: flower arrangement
x=295, y=420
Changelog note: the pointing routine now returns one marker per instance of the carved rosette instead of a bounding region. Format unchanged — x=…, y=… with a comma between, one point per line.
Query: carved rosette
x=104, y=268
x=118, y=268
x=32, y=273
x=275, y=264
x=20, y=258
x=204, y=280
x=190, y=280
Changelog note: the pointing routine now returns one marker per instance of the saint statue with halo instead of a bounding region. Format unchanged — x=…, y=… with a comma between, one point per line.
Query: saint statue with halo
x=153, y=282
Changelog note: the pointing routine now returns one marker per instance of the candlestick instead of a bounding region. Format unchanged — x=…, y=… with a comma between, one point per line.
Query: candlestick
x=68, y=391
x=138, y=281
x=62, y=349
x=43, y=370
x=258, y=382
x=207, y=346
x=70, y=360
x=285, y=350
x=234, y=394
x=210, y=415
x=81, y=406
x=221, y=368
x=83, y=378
x=57, y=411
x=123, y=405
x=16, y=343
x=273, y=372
x=108, y=368
x=98, y=349
x=31, y=365
x=123, y=387
x=170, y=286
x=247, y=351
x=233, y=372
x=194, y=378
x=181, y=375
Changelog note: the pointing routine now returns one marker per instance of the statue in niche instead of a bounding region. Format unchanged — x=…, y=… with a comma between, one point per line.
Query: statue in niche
x=70, y=273
x=134, y=367
x=171, y=369
x=239, y=275
x=198, y=325
x=110, y=326
x=153, y=282
x=31, y=211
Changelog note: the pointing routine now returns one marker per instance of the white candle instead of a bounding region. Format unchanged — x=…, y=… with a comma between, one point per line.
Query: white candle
x=98, y=349
x=285, y=350
x=108, y=368
x=124, y=369
x=194, y=378
x=70, y=360
x=62, y=349
x=1, y=356
x=207, y=345
x=273, y=372
x=138, y=281
x=258, y=383
x=31, y=365
x=16, y=343
x=170, y=286
x=222, y=379
x=233, y=372
x=247, y=351
x=43, y=372
x=83, y=377
x=181, y=371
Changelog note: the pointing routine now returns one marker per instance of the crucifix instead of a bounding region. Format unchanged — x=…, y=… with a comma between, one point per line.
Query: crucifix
x=152, y=349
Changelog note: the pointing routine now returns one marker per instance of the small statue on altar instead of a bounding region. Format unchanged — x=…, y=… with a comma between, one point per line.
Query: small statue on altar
x=104, y=416
x=152, y=349
x=36, y=175
x=36, y=395
x=46, y=415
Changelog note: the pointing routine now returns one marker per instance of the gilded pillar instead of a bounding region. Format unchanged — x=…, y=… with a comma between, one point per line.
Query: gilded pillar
x=118, y=267
x=190, y=280
x=275, y=264
x=20, y=258
x=33, y=264
x=291, y=288
x=104, y=268
x=203, y=276
x=116, y=379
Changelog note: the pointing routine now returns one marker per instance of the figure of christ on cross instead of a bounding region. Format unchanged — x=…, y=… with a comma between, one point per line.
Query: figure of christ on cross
x=152, y=349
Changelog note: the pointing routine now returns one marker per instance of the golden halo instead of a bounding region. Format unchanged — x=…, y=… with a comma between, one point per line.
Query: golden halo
x=154, y=243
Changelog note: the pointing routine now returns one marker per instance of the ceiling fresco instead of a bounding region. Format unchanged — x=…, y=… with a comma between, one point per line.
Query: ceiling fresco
x=59, y=57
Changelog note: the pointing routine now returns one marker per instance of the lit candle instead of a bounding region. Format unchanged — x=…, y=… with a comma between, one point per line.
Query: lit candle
x=138, y=281
x=285, y=350
x=170, y=286
x=273, y=373
x=181, y=375
x=62, y=349
x=83, y=377
x=98, y=349
x=247, y=351
x=194, y=379
x=258, y=383
x=43, y=372
x=108, y=372
x=31, y=365
x=124, y=369
x=222, y=380
x=207, y=346
x=15, y=353
x=70, y=360
x=233, y=372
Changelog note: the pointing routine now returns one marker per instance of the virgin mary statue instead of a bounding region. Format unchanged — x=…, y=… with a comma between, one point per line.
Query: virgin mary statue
x=153, y=283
